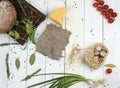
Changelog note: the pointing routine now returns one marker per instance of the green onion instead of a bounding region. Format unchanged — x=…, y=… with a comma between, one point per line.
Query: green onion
x=65, y=81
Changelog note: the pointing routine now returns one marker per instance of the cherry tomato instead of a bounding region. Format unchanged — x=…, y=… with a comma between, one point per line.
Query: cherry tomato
x=95, y=4
x=110, y=10
x=101, y=2
x=99, y=8
x=110, y=20
x=105, y=7
x=109, y=70
x=103, y=12
x=97, y=0
x=107, y=16
x=114, y=14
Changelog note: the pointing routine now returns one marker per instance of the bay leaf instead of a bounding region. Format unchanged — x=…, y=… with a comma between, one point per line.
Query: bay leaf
x=110, y=65
x=17, y=63
x=32, y=59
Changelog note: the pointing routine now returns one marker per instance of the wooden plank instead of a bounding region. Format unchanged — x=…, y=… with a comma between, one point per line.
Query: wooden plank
x=111, y=40
x=40, y=59
x=17, y=52
x=93, y=34
x=3, y=51
x=75, y=24
x=54, y=66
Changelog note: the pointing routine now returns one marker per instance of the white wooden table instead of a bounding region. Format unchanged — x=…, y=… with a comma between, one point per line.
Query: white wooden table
x=87, y=26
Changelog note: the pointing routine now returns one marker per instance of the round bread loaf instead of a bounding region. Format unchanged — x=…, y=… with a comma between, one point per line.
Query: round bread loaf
x=8, y=16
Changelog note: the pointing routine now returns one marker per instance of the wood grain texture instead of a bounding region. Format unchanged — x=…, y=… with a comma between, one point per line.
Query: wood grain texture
x=87, y=26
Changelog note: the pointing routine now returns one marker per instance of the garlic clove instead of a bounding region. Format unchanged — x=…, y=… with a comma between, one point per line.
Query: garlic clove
x=98, y=48
x=96, y=53
x=103, y=53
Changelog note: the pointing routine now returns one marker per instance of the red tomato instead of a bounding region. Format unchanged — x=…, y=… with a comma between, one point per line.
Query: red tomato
x=109, y=70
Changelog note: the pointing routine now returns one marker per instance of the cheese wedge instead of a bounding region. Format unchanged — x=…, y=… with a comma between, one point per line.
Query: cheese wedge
x=58, y=15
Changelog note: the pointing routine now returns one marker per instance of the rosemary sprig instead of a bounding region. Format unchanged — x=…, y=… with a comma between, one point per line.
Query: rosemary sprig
x=6, y=44
x=30, y=76
x=7, y=65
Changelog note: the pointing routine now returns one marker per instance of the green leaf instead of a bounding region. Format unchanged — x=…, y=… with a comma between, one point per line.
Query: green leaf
x=32, y=59
x=110, y=65
x=7, y=65
x=11, y=33
x=17, y=22
x=17, y=35
x=17, y=63
x=14, y=34
x=29, y=26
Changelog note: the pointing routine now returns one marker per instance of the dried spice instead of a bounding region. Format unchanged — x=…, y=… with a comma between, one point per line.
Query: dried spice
x=52, y=41
x=17, y=63
x=110, y=65
x=32, y=59
x=74, y=54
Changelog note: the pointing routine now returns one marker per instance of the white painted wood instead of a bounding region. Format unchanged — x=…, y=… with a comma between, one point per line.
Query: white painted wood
x=54, y=66
x=40, y=59
x=87, y=26
x=3, y=52
x=93, y=34
x=75, y=24
x=111, y=39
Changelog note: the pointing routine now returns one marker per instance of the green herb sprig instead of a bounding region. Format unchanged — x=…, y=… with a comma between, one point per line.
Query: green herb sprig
x=7, y=65
x=7, y=44
x=29, y=29
x=31, y=75
x=26, y=25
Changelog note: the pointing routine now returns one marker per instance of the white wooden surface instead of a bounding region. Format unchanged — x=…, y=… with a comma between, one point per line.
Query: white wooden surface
x=87, y=26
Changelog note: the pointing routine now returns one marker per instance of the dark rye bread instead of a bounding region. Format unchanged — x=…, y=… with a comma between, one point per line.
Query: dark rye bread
x=53, y=41
x=32, y=13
